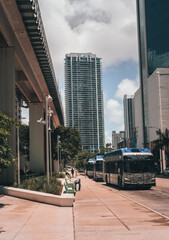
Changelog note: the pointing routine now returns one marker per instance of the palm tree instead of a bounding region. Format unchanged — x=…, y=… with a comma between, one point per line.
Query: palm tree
x=163, y=137
x=164, y=140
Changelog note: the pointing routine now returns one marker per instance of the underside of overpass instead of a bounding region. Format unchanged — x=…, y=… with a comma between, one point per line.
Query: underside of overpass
x=26, y=73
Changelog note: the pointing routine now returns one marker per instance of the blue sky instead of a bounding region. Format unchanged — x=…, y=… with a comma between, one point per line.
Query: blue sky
x=106, y=28
x=115, y=80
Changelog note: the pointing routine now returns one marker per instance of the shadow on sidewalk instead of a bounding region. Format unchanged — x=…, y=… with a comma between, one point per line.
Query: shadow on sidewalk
x=2, y=204
x=162, y=176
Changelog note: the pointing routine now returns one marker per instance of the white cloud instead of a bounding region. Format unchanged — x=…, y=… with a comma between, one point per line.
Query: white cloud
x=114, y=108
x=104, y=27
x=127, y=86
x=108, y=137
x=114, y=111
x=113, y=118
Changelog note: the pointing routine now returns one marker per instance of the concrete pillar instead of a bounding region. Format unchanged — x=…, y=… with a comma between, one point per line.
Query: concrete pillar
x=36, y=138
x=7, y=102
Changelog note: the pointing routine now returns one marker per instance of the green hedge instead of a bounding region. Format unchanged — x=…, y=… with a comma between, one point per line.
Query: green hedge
x=40, y=184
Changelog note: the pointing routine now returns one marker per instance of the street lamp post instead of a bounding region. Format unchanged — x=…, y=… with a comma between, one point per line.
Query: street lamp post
x=47, y=140
x=18, y=150
x=61, y=158
x=50, y=144
x=48, y=99
x=58, y=142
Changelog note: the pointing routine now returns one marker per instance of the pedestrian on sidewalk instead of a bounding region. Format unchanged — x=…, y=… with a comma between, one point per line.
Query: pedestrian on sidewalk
x=68, y=175
x=78, y=182
x=72, y=171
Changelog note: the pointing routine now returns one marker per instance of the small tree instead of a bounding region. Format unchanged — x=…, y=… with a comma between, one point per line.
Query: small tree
x=70, y=142
x=164, y=140
x=24, y=139
x=6, y=156
x=80, y=159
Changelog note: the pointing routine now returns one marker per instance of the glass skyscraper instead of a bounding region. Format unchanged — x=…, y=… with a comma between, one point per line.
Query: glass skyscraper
x=84, y=99
x=153, y=37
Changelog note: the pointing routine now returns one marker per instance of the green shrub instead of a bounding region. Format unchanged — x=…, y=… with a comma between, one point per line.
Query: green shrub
x=40, y=184
x=59, y=175
x=6, y=156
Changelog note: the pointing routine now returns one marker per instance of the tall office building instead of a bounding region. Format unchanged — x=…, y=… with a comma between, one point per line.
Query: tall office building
x=115, y=140
x=153, y=37
x=129, y=120
x=84, y=99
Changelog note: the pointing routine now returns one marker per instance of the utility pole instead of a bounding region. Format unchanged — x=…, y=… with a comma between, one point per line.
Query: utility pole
x=18, y=147
x=50, y=143
x=48, y=99
x=58, y=141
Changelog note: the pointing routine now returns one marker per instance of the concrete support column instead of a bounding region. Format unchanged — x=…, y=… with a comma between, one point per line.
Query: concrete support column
x=7, y=102
x=36, y=138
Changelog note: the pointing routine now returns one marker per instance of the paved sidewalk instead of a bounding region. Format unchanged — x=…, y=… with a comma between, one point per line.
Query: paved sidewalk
x=27, y=220
x=98, y=214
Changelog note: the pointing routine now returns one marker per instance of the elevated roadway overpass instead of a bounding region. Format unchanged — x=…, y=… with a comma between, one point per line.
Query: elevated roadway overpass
x=26, y=71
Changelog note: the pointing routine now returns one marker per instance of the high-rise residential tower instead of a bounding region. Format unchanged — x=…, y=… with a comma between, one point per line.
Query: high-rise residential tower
x=84, y=99
x=153, y=37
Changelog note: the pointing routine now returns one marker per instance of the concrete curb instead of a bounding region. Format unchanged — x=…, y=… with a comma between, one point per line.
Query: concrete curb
x=65, y=200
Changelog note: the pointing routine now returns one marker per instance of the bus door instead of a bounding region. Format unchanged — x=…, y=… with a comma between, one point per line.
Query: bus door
x=120, y=173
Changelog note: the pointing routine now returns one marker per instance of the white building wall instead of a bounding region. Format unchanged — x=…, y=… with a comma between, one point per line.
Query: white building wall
x=138, y=119
x=154, y=106
x=158, y=101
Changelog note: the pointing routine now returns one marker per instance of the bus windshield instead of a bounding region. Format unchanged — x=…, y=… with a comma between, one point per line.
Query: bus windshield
x=99, y=166
x=90, y=167
x=138, y=166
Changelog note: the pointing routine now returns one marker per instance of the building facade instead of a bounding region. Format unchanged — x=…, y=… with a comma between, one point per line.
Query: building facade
x=84, y=99
x=115, y=140
x=118, y=140
x=129, y=120
x=138, y=119
x=158, y=100
x=153, y=38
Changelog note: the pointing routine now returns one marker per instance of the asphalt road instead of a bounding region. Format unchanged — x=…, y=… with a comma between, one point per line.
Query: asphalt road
x=106, y=212
x=157, y=198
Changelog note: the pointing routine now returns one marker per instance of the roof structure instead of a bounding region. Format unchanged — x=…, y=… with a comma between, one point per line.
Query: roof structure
x=30, y=12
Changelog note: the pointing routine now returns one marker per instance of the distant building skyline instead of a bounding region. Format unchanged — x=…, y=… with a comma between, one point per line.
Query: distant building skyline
x=117, y=138
x=84, y=99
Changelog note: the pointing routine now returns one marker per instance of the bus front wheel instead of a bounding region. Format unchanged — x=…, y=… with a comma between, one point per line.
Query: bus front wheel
x=119, y=182
x=106, y=180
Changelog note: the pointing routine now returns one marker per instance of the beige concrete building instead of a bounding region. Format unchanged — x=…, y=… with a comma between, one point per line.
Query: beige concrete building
x=158, y=102
x=158, y=109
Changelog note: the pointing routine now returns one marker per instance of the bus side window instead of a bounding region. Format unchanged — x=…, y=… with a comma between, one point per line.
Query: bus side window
x=121, y=167
x=107, y=167
x=116, y=168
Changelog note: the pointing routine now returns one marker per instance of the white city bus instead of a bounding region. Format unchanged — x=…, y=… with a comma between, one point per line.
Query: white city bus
x=90, y=167
x=130, y=167
x=99, y=168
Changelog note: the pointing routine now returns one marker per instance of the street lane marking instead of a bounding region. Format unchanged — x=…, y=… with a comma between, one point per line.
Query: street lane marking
x=148, y=208
x=110, y=210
